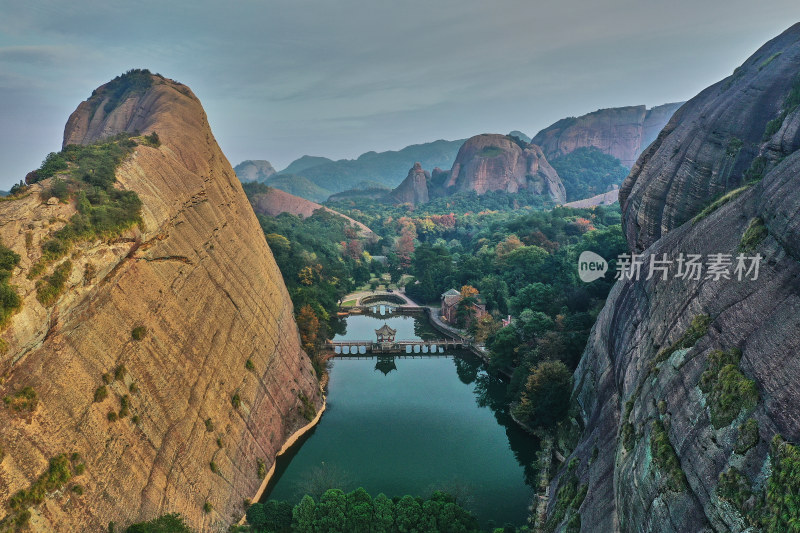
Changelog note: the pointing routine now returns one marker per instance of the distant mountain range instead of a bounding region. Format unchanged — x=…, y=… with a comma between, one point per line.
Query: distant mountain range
x=622, y=132
x=316, y=178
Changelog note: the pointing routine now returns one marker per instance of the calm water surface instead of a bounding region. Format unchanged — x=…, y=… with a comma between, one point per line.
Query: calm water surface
x=427, y=424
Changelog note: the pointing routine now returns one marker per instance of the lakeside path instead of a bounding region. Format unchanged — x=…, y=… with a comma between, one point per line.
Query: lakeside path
x=359, y=295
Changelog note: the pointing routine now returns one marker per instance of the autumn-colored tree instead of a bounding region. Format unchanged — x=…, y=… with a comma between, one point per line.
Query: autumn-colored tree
x=485, y=327
x=308, y=324
x=538, y=238
x=511, y=243
x=405, y=245
x=468, y=291
x=584, y=224
x=354, y=249
x=425, y=225
x=306, y=275
x=445, y=221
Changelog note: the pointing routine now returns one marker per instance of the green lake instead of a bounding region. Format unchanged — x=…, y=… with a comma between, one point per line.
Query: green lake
x=429, y=423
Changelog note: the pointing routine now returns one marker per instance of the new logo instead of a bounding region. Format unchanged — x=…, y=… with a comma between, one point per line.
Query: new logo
x=591, y=267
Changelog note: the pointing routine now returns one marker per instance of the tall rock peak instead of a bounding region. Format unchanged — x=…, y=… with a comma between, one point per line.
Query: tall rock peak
x=492, y=162
x=414, y=189
x=198, y=277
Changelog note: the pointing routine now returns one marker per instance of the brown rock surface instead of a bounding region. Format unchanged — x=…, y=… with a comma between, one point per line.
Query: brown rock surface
x=622, y=132
x=200, y=277
x=491, y=162
x=276, y=201
x=414, y=189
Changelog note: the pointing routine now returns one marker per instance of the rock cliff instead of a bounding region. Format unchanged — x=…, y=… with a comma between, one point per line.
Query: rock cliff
x=684, y=383
x=709, y=144
x=414, y=189
x=622, y=132
x=169, y=315
x=254, y=170
x=275, y=201
x=493, y=162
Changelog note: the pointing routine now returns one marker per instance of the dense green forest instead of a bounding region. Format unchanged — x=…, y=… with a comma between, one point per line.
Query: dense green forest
x=321, y=259
x=526, y=267
x=587, y=172
x=523, y=264
x=340, y=512
x=364, y=208
x=358, y=512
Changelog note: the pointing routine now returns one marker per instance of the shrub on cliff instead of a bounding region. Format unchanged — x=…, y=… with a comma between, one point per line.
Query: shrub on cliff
x=169, y=523
x=10, y=301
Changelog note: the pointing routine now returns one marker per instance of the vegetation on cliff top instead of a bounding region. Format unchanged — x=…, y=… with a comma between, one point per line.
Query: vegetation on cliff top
x=133, y=82
x=587, y=172
x=87, y=174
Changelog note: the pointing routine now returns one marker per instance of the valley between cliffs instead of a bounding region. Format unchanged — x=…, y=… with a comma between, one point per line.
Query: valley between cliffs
x=217, y=383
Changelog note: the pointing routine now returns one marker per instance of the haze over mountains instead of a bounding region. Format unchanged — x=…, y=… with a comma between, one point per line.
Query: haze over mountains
x=619, y=132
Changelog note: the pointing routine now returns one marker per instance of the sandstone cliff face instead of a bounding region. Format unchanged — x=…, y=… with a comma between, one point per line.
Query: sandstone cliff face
x=621, y=381
x=708, y=145
x=622, y=132
x=254, y=170
x=276, y=201
x=414, y=189
x=493, y=162
x=199, y=276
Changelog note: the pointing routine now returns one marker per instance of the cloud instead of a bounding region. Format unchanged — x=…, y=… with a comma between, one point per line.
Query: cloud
x=280, y=78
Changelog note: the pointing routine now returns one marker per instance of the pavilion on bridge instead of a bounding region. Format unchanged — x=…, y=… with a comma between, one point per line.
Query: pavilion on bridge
x=385, y=334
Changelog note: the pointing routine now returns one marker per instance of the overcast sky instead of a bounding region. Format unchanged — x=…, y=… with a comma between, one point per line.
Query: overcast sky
x=280, y=79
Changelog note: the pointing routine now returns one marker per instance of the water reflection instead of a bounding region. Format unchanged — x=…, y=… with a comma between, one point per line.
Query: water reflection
x=403, y=425
x=385, y=364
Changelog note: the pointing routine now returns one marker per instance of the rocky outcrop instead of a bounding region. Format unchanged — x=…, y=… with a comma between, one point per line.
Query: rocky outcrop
x=622, y=132
x=493, y=162
x=198, y=275
x=640, y=387
x=254, y=170
x=709, y=144
x=414, y=189
x=275, y=201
